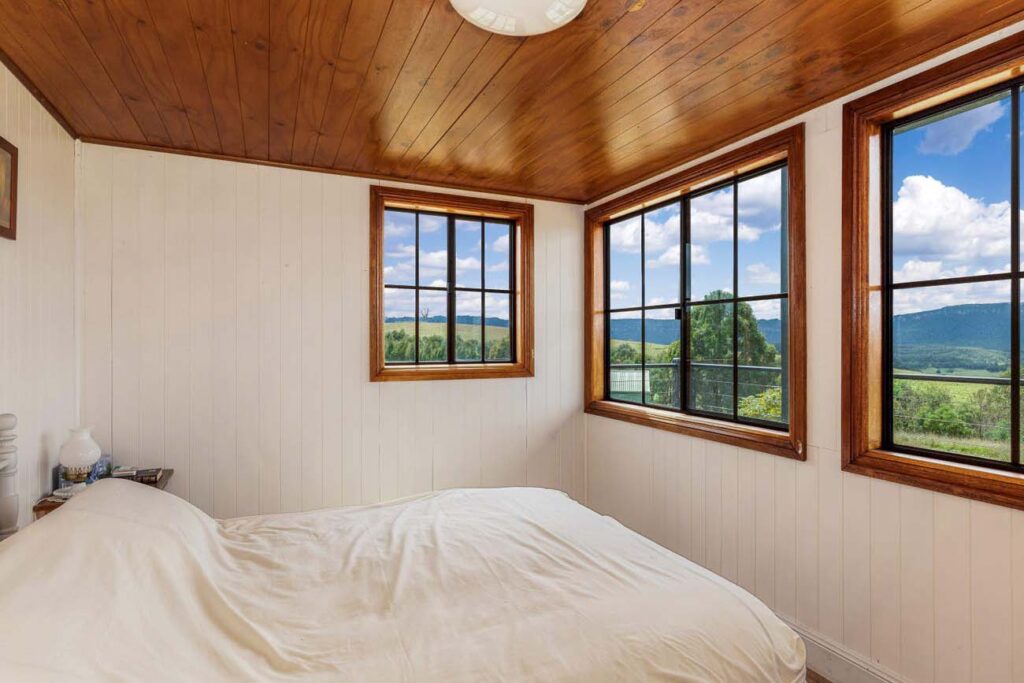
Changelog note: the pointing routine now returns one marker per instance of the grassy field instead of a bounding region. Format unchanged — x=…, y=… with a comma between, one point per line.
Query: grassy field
x=970, y=372
x=979, y=448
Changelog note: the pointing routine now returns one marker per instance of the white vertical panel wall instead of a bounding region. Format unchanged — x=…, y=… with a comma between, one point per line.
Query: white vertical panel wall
x=37, y=290
x=225, y=334
x=924, y=586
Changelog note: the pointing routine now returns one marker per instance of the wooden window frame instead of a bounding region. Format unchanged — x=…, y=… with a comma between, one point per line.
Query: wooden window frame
x=786, y=145
x=382, y=198
x=862, y=321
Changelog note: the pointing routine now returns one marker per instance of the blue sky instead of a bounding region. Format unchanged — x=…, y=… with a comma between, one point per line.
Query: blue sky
x=400, y=264
x=951, y=212
x=710, y=257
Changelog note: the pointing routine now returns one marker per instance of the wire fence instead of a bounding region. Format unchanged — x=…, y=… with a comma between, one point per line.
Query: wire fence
x=711, y=381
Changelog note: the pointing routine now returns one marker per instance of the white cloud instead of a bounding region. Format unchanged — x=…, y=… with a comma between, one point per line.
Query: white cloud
x=501, y=244
x=915, y=299
x=619, y=286
x=392, y=229
x=950, y=136
x=761, y=274
x=941, y=229
x=699, y=255
x=766, y=310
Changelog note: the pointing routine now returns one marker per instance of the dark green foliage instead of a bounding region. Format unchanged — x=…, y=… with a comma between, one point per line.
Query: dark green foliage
x=935, y=358
x=399, y=346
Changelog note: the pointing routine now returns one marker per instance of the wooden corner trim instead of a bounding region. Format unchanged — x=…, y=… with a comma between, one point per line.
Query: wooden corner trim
x=382, y=197
x=787, y=144
x=861, y=432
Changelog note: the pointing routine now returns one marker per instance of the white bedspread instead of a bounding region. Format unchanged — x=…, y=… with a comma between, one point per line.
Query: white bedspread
x=126, y=583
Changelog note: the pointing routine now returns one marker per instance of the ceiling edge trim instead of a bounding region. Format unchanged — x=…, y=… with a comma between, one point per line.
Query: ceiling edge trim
x=331, y=171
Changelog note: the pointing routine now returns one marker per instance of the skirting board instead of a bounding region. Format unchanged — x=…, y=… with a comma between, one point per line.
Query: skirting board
x=839, y=664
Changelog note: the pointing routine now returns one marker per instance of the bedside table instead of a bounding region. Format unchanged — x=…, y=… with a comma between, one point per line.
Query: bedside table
x=48, y=504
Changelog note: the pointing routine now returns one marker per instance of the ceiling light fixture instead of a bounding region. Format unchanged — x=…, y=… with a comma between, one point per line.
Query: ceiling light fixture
x=519, y=17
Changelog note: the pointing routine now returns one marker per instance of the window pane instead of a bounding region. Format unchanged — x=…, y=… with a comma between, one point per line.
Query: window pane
x=661, y=250
x=951, y=193
x=433, y=251
x=399, y=325
x=626, y=381
x=433, y=326
x=467, y=253
x=711, y=357
x=661, y=342
x=709, y=254
x=761, y=360
x=961, y=330
x=498, y=246
x=624, y=266
x=953, y=417
x=762, y=234
x=499, y=342
x=399, y=248
x=468, y=326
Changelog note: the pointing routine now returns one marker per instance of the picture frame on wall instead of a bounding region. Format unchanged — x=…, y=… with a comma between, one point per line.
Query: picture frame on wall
x=8, y=190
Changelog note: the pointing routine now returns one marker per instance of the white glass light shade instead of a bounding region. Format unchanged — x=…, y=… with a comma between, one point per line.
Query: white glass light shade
x=519, y=17
x=79, y=451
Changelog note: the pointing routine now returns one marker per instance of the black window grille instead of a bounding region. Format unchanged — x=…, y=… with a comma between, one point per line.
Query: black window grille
x=457, y=305
x=969, y=414
x=705, y=352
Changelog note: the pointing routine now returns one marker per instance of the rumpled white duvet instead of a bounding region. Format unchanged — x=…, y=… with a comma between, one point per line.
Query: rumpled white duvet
x=127, y=583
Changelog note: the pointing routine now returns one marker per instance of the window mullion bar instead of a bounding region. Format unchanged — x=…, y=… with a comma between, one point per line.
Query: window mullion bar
x=483, y=296
x=1015, y=282
x=451, y=289
x=416, y=298
x=684, y=339
x=735, y=306
x=643, y=313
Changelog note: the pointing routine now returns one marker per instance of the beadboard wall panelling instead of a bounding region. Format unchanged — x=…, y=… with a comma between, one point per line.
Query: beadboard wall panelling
x=924, y=585
x=37, y=290
x=225, y=334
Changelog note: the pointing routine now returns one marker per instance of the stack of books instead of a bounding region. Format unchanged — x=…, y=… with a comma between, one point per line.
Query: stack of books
x=149, y=475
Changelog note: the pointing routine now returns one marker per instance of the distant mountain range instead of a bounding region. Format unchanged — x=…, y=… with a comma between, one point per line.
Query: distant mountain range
x=667, y=331
x=985, y=326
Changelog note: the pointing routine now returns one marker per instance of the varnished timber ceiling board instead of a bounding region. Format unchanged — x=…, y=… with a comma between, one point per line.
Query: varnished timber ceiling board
x=406, y=89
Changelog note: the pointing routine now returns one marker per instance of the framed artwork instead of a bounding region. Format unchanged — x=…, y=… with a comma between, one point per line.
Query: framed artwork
x=8, y=190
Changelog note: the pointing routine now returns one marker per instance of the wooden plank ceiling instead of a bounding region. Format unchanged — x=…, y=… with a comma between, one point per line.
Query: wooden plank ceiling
x=406, y=89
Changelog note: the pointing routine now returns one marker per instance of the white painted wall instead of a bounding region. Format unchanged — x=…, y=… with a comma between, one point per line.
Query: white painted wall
x=37, y=294
x=928, y=586
x=225, y=334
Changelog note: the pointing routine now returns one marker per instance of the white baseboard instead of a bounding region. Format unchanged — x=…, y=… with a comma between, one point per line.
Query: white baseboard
x=840, y=664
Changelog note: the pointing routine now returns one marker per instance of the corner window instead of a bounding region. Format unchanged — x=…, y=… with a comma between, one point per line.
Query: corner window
x=952, y=288
x=451, y=282
x=698, y=315
x=932, y=279
x=695, y=301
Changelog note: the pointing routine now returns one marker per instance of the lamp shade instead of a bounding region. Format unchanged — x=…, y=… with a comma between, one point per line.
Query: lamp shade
x=519, y=17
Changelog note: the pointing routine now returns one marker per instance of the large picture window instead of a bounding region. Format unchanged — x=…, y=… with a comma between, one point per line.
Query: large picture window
x=932, y=277
x=697, y=290
x=451, y=286
x=952, y=280
x=695, y=301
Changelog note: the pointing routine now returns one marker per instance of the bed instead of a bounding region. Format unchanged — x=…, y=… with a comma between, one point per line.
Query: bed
x=128, y=583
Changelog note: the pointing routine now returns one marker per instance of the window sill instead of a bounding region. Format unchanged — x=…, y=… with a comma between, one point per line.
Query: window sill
x=968, y=481
x=745, y=436
x=392, y=373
